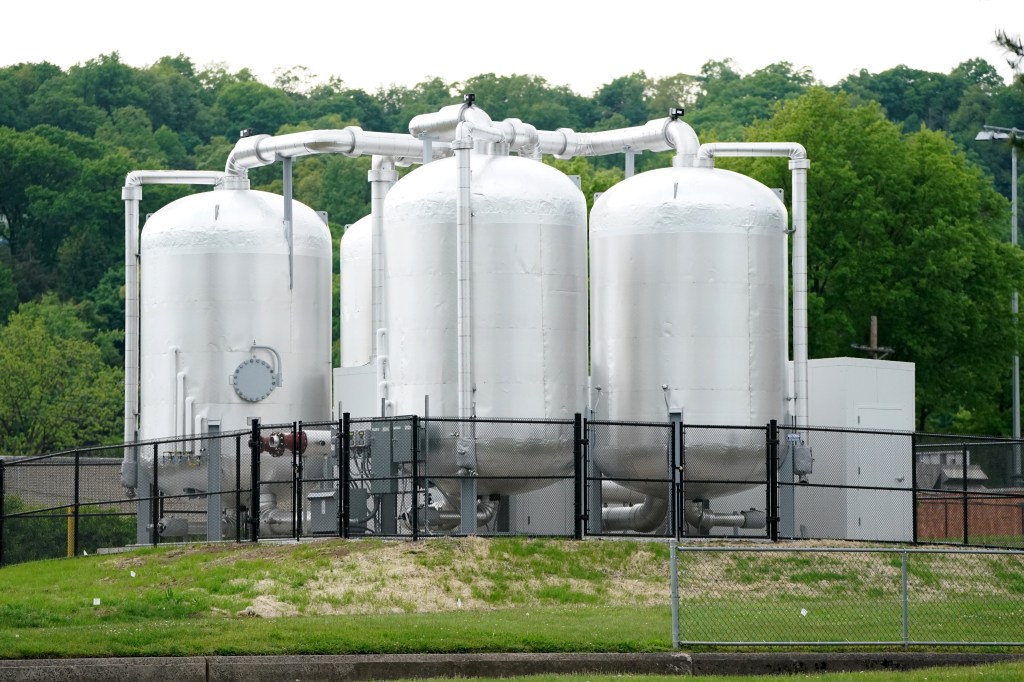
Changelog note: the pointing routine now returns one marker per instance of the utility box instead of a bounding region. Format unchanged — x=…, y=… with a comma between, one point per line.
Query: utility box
x=323, y=511
x=876, y=396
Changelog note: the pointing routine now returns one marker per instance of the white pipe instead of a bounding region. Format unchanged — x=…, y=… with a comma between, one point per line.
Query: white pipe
x=278, y=365
x=131, y=193
x=179, y=410
x=798, y=164
x=616, y=493
x=382, y=176
x=462, y=146
x=654, y=136
x=380, y=361
x=642, y=518
x=443, y=124
x=263, y=150
x=172, y=354
x=190, y=433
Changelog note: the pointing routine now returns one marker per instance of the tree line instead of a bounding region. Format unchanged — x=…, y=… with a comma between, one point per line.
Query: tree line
x=908, y=217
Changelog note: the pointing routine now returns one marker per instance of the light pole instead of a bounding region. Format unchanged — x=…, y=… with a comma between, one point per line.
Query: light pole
x=1012, y=134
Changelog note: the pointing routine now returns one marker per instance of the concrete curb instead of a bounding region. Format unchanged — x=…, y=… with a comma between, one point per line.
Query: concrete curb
x=396, y=666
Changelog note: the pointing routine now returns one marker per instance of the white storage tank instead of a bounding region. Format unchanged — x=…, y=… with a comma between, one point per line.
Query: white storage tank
x=356, y=295
x=529, y=304
x=224, y=334
x=688, y=296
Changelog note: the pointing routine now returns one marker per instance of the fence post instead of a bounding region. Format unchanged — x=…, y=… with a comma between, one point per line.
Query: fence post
x=73, y=540
x=154, y=499
x=254, y=472
x=238, y=488
x=297, y=474
x=913, y=485
x=674, y=571
x=963, y=456
x=415, y=470
x=906, y=613
x=3, y=510
x=343, y=475
x=772, y=479
x=577, y=438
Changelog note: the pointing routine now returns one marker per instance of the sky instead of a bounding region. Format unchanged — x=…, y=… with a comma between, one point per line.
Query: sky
x=371, y=44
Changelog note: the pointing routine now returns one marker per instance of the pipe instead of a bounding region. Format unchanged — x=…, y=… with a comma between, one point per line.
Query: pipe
x=443, y=124
x=703, y=519
x=273, y=521
x=654, y=136
x=616, y=493
x=131, y=194
x=382, y=176
x=432, y=518
x=642, y=518
x=179, y=409
x=263, y=150
x=278, y=368
x=380, y=362
x=798, y=164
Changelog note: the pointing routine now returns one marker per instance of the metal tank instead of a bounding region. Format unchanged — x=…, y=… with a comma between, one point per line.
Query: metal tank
x=234, y=325
x=529, y=311
x=688, y=283
x=356, y=295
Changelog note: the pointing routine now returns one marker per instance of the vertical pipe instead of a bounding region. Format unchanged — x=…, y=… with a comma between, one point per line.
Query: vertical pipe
x=286, y=170
x=674, y=573
x=578, y=475
x=906, y=613
x=131, y=196
x=464, y=274
x=254, y=474
x=154, y=500
x=75, y=514
x=799, y=168
x=382, y=176
x=343, y=475
x=415, y=470
x=238, y=488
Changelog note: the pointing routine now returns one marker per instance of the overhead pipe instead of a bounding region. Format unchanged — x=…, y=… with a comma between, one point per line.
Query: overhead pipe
x=131, y=194
x=658, y=135
x=798, y=164
x=262, y=150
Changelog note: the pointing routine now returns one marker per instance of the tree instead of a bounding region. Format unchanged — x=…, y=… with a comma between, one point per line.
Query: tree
x=55, y=390
x=906, y=228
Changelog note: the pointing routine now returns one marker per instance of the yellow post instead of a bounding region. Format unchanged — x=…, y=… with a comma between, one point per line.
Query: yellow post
x=71, y=531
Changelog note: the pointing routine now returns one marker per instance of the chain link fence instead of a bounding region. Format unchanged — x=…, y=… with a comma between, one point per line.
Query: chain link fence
x=753, y=596
x=408, y=477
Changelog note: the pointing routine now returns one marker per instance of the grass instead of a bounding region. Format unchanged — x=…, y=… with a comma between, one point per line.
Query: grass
x=474, y=595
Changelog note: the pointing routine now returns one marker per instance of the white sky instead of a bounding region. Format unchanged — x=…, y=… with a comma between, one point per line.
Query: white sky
x=583, y=45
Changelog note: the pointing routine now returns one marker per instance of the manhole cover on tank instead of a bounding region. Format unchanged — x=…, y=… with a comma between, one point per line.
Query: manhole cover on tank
x=253, y=380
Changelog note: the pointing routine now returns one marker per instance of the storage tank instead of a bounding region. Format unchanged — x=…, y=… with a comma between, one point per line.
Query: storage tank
x=688, y=285
x=356, y=295
x=232, y=326
x=529, y=307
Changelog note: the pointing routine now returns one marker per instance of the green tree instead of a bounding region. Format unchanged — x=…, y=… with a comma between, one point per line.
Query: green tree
x=55, y=390
x=906, y=228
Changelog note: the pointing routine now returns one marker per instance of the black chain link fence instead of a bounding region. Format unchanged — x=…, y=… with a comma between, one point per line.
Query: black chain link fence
x=408, y=476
